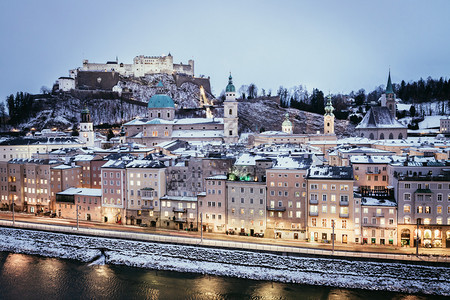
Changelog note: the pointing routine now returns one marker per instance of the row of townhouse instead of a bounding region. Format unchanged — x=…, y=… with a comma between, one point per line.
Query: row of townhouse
x=297, y=200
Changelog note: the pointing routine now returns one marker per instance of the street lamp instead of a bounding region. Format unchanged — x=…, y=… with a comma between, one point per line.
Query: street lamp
x=417, y=237
x=13, y=217
x=332, y=236
x=78, y=225
x=201, y=227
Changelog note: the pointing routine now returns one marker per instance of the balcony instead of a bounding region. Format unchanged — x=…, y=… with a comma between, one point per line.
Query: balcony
x=373, y=171
x=342, y=215
x=313, y=201
x=378, y=215
x=147, y=194
x=179, y=220
x=149, y=207
x=279, y=208
x=313, y=213
x=179, y=210
x=343, y=203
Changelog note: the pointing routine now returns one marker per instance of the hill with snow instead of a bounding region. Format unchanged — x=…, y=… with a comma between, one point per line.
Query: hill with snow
x=62, y=110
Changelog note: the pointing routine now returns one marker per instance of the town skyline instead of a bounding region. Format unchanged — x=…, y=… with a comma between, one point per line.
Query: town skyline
x=333, y=47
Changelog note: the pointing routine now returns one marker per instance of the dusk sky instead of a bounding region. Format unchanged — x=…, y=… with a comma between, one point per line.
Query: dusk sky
x=336, y=46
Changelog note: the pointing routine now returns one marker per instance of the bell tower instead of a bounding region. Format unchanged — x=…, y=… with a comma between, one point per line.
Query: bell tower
x=86, y=129
x=328, y=118
x=230, y=114
x=390, y=97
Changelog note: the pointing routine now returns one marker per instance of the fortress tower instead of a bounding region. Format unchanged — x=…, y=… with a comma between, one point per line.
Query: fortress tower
x=230, y=115
x=86, y=129
x=328, y=118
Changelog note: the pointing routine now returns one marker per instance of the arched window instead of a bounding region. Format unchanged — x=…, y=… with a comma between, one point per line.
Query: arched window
x=362, y=134
x=159, y=115
x=328, y=124
x=381, y=136
x=371, y=136
x=391, y=136
x=400, y=136
x=231, y=112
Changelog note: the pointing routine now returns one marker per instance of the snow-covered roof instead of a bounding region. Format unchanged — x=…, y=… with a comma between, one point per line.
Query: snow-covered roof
x=64, y=167
x=140, y=163
x=368, y=201
x=82, y=192
x=179, y=198
x=379, y=117
x=217, y=177
x=116, y=164
x=189, y=133
x=247, y=159
x=273, y=132
x=84, y=157
x=188, y=121
x=375, y=159
x=289, y=162
x=330, y=172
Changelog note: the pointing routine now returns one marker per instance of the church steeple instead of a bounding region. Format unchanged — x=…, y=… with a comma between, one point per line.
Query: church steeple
x=389, y=89
x=328, y=118
x=390, y=97
x=329, y=107
x=230, y=114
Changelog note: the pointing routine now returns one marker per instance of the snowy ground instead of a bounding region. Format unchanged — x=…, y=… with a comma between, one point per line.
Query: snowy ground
x=398, y=277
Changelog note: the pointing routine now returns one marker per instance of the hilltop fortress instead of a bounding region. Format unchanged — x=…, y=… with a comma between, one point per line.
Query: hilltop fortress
x=143, y=65
x=104, y=76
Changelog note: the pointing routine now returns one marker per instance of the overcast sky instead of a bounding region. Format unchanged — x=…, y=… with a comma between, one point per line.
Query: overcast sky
x=336, y=46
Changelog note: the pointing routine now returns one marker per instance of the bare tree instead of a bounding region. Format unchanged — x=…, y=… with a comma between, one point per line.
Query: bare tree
x=252, y=91
x=242, y=90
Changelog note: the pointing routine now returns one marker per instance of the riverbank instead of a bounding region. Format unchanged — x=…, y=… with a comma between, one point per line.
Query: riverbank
x=260, y=246
x=344, y=273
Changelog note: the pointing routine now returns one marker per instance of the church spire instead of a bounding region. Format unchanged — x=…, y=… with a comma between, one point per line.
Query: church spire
x=389, y=89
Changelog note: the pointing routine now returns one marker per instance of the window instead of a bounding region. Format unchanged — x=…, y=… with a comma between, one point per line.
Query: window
x=313, y=186
x=439, y=197
x=344, y=187
x=324, y=209
x=407, y=185
x=313, y=222
x=324, y=222
x=324, y=197
x=406, y=209
x=298, y=214
x=406, y=196
x=344, y=224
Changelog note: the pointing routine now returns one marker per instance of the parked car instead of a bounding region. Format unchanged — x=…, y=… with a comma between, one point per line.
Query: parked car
x=143, y=225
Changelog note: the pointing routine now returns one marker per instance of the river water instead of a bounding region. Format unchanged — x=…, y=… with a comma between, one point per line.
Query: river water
x=34, y=277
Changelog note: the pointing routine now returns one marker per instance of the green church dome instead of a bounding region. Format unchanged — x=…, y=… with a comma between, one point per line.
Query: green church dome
x=230, y=87
x=286, y=121
x=160, y=101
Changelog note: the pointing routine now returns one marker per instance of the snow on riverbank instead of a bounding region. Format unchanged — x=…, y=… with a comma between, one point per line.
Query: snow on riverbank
x=243, y=264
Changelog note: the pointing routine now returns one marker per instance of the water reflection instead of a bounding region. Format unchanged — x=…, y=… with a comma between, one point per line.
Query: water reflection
x=32, y=277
